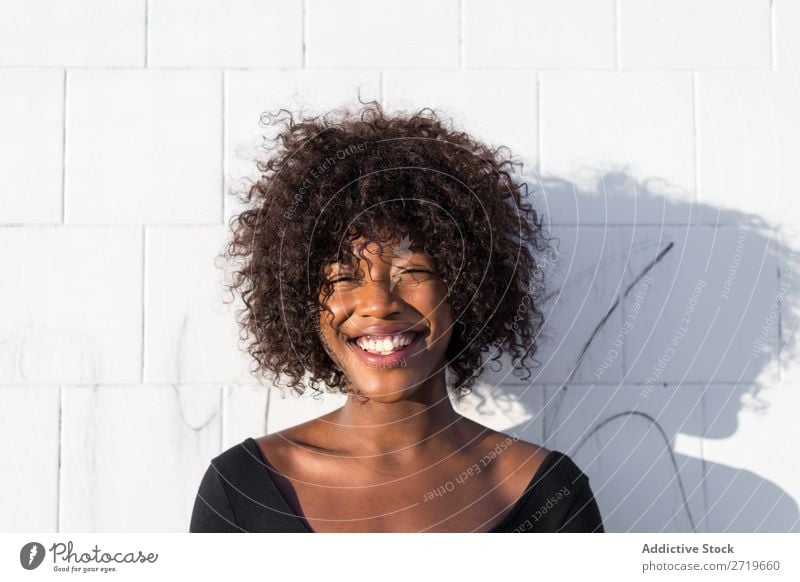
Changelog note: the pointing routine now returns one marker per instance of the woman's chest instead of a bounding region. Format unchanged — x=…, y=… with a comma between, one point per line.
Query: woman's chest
x=451, y=499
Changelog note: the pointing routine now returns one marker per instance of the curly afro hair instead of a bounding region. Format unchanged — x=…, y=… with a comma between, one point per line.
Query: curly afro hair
x=331, y=179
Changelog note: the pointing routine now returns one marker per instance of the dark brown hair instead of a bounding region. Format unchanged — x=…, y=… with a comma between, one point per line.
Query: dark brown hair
x=328, y=180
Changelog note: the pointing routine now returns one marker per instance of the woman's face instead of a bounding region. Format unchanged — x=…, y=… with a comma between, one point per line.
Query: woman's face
x=389, y=323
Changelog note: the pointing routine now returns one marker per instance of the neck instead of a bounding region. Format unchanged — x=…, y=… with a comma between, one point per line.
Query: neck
x=401, y=429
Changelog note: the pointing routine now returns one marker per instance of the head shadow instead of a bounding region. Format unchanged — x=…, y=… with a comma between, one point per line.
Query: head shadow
x=668, y=323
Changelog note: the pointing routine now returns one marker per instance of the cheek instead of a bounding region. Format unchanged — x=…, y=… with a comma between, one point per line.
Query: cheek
x=328, y=324
x=437, y=305
x=331, y=343
x=444, y=315
x=432, y=304
x=334, y=313
x=446, y=322
x=326, y=332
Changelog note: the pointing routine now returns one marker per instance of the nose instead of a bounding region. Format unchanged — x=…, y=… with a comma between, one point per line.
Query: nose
x=375, y=298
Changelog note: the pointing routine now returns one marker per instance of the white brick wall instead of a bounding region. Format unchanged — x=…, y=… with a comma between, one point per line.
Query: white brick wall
x=31, y=135
x=786, y=41
x=748, y=121
x=500, y=106
x=143, y=146
x=596, y=124
x=225, y=33
x=539, y=34
x=72, y=33
x=694, y=34
x=362, y=34
x=651, y=130
x=72, y=304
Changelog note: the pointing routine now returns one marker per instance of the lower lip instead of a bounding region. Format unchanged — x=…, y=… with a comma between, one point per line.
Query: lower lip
x=379, y=361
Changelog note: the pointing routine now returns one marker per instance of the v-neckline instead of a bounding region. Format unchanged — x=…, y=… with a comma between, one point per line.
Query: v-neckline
x=518, y=504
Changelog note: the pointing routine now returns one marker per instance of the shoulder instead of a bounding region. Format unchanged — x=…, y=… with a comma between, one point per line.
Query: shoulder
x=510, y=461
x=509, y=453
x=214, y=509
x=236, y=462
x=532, y=458
x=238, y=494
x=233, y=467
x=560, y=499
x=291, y=449
x=304, y=450
x=551, y=469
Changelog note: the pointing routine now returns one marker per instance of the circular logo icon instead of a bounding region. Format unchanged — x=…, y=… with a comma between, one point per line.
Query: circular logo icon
x=31, y=555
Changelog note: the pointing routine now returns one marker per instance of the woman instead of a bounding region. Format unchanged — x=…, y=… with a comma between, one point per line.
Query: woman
x=385, y=256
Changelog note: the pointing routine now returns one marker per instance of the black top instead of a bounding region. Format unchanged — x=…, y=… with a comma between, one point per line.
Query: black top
x=237, y=494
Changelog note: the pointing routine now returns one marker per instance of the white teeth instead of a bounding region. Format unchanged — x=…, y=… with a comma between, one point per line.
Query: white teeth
x=385, y=345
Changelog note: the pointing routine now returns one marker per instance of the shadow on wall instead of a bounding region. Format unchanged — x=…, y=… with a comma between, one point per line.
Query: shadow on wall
x=666, y=322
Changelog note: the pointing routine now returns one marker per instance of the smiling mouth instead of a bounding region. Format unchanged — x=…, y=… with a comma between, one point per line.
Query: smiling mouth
x=384, y=345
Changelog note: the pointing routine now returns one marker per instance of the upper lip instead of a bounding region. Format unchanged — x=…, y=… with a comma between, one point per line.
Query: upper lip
x=385, y=329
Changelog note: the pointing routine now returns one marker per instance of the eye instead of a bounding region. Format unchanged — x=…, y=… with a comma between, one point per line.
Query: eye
x=340, y=280
x=412, y=277
x=415, y=271
x=346, y=281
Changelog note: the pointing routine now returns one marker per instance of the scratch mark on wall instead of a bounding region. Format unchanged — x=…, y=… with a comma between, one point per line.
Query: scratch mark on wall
x=193, y=427
x=90, y=442
x=663, y=434
x=73, y=353
x=179, y=347
x=611, y=310
x=559, y=398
